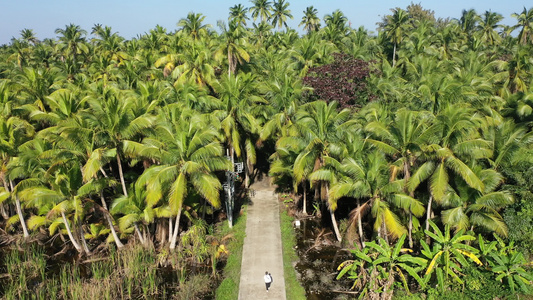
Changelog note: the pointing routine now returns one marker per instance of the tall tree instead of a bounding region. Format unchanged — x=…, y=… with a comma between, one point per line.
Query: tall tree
x=72, y=43
x=336, y=26
x=261, y=9
x=367, y=177
x=192, y=25
x=189, y=152
x=320, y=126
x=395, y=29
x=403, y=139
x=525, y=21
x=280, y=13
x=114, y=122
x=310, y=20
x=233, y=45
x=487, y=26
x=468, y=21
x=61, y=197
x=29, y=36
x=238, y=14
x=457, y=147
x=14, y=132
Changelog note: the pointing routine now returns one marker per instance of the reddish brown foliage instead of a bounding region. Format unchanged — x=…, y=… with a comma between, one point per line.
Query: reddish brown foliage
x=344, y=81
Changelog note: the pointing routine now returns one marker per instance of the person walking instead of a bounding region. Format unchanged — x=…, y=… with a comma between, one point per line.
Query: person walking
x=268, y=280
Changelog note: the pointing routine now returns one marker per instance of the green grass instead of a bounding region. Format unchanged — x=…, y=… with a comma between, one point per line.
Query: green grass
x=293, y=289
x=229, y=288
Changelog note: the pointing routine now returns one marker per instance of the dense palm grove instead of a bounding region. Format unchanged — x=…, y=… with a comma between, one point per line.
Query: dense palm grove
x=428, y=141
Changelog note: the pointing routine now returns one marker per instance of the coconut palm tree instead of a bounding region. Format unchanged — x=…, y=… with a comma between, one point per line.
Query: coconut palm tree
x=238, y=123
x=261, y=32
x=310, y=20
x=487, y=26
x=367, y=177
x=238, y=14
x=336, y=28
x=403, y=140
x=471, y=209
x=233, y=45
x=14, y=132
x=114, y=121
x=188, y=150
x=29, y=36
x=310, y=51
x=60, y=197
x=525, y=20
x=457, y=148
x=134, y=209
x=320, y=126
x=194, y=64
x=192, y=25
x=71, y=45
x=395, y=29
x=261, y=9
x=514, y=72
x=280, y=13
x=468, y=21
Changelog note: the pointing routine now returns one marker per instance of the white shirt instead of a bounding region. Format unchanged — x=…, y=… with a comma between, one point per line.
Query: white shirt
x=268, y=278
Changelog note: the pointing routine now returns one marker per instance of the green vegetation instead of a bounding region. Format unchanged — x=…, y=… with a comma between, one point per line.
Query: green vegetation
x=427, y=141
x=293, y=289
x=131, y=273
x=229, y=288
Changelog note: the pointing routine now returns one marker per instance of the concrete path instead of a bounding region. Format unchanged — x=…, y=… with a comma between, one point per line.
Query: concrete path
x=262, y=246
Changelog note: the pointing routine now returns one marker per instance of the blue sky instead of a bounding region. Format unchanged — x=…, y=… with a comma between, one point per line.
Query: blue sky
x=133, y=17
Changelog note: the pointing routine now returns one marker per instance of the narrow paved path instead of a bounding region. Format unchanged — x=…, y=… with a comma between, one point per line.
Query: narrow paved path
x=262, y=246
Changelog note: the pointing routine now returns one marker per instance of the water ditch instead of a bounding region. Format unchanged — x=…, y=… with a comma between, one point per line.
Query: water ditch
x=319, y=258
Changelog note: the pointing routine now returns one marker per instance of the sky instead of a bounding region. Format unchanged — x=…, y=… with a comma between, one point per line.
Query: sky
x=131, y=18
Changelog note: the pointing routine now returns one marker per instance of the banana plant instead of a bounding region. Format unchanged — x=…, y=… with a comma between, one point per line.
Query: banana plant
x=385, y=263
x=448, y=255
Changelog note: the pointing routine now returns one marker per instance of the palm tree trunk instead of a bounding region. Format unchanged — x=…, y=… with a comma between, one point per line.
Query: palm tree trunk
x=170, y=230
x=410, y=230
x=176, y=229
x=139, y=234
x=304, y=210
x=203, y=205
x=146, y=233
x=121, y=174
x=230, y=193
x=249, y=170
x=428, y=217
x=110, y=222
x=360, y=223
x=335, y=227
x=72, y=239
x=83, y=241
x=385, y=232
x=319, y=212
x=428, y=213
x=333, y=219
x=230, y=64
x=161, y=229
x=411, y=194
x=19, y=212
x=394, y=55
x=3, y=211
